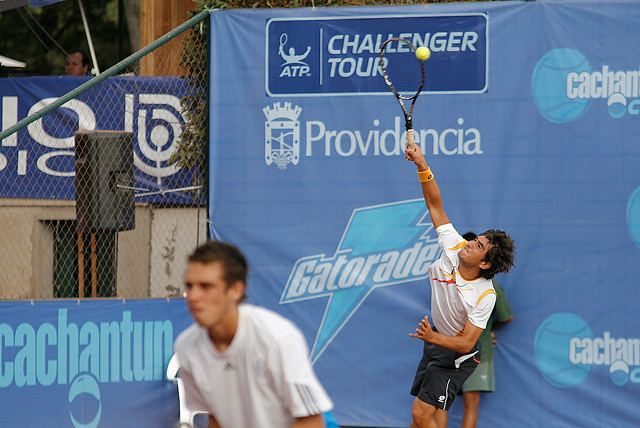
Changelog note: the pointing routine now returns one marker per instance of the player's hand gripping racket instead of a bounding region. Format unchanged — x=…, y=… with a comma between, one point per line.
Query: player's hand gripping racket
x=404, y=74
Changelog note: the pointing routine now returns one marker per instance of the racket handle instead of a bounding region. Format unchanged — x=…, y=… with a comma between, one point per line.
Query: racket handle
x=410, y=141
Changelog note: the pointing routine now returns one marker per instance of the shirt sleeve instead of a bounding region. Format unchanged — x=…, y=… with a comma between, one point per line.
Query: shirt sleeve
x=450, y=243
x=189, y=393
x=481, y=313
x=192, y=397
x=300, y=389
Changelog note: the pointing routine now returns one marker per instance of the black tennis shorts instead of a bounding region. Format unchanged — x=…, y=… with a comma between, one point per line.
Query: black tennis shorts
x=441, y=373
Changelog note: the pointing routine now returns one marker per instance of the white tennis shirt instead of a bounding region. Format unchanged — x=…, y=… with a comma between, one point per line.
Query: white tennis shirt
x=263, y=379
x=454, y=300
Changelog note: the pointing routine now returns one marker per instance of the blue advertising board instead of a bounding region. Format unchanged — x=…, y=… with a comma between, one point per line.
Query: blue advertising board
x=529, y=122
x=88, y=363
x=37, y=162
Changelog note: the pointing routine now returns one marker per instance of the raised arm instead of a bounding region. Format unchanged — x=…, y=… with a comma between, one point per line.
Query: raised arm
x=430, y=188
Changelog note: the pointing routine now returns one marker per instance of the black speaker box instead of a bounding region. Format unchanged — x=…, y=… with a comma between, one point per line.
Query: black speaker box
x=105, y=199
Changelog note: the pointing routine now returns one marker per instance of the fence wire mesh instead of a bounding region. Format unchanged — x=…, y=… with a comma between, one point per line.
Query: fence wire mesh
x=96, y=200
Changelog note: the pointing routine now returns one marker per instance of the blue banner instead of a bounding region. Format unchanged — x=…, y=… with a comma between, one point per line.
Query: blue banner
x=529, y=122
x=38, y=161
x=89, y=363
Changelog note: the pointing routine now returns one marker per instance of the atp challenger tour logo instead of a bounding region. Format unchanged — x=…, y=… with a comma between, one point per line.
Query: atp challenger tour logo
x=340, y=55
x=381, y=246
x=564, y=85
x=285, y=144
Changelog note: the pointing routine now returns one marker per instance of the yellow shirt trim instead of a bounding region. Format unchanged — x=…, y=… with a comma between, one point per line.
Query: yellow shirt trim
x=486, y=293
x=460, y=245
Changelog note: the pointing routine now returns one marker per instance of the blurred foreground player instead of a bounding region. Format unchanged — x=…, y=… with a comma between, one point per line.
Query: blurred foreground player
x=248, y=366
x=462, y=299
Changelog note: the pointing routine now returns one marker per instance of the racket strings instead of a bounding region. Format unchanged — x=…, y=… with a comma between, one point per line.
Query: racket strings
x=404, y=71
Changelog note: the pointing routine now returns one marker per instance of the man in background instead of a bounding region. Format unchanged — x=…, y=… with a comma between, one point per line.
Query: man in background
x=77, y=63
x=483, y=378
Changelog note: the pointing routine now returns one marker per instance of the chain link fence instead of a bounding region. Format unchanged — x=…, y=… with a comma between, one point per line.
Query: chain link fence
x=93, y=202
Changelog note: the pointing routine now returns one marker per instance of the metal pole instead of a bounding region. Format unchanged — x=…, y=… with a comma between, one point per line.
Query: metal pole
x=89, y=41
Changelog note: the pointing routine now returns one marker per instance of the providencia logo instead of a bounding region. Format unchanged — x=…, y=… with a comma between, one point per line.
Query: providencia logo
x=567, y=352
x=564, y=84
x=382, y=245
x=282, y=135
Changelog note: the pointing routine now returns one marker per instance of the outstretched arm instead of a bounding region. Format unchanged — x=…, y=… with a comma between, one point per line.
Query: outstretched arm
x=430, y=188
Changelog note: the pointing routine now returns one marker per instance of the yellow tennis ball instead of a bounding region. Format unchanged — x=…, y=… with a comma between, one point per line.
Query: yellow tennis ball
x=423, y=53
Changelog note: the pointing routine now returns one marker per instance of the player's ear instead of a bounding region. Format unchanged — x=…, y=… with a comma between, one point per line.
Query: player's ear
x=484, y=265
x=237, y=290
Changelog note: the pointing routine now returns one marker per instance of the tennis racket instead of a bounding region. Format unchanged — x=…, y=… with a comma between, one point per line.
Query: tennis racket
x=403, y=73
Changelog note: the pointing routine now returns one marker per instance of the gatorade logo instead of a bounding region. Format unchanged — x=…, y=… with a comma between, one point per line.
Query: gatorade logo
x=382, y=245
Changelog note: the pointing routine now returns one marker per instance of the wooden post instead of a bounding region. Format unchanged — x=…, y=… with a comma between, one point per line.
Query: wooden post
x=94, y=266
x=157, y=18
x=80, y=265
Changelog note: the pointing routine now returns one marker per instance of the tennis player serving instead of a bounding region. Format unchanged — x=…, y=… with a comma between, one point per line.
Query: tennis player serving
x=462, y=298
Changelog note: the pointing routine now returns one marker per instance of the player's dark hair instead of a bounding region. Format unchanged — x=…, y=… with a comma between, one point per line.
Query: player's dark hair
x=234, y=265
x=500, y=255
x=469, y=236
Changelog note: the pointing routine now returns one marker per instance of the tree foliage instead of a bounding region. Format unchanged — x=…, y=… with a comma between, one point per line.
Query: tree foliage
x=41, y=36
x=193, y=144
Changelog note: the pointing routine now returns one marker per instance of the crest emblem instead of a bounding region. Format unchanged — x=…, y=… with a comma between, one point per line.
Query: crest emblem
x=282, y=135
